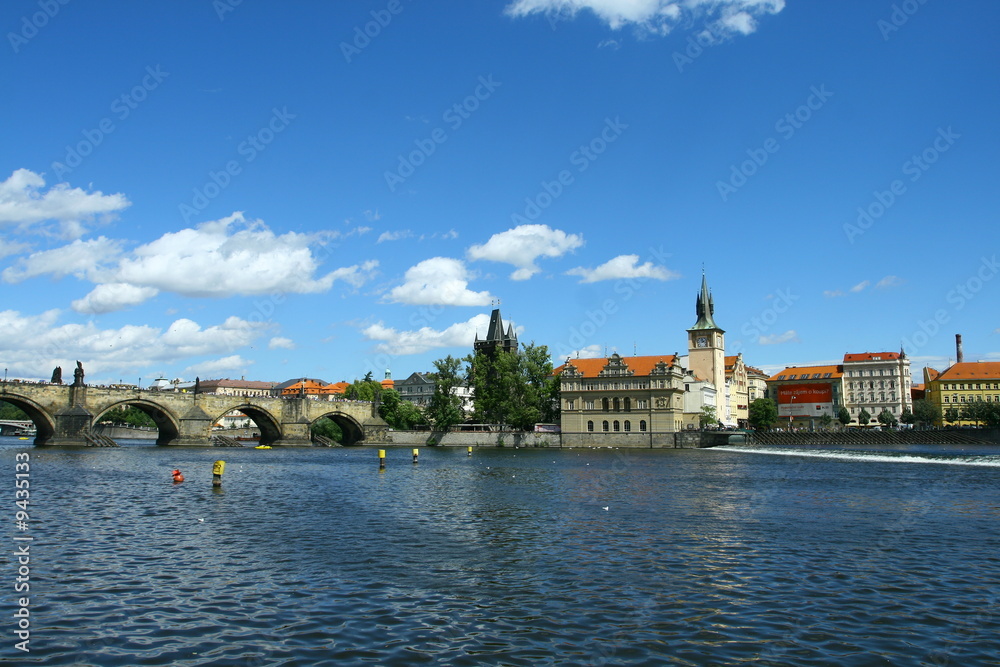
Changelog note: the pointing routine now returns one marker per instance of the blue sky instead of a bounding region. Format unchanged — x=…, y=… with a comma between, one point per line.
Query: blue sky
x=273, y=190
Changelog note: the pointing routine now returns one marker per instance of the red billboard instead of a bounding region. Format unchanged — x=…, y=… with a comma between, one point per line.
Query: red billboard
x=805, y=400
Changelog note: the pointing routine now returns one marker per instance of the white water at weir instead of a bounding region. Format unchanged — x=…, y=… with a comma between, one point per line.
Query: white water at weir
x=982, y=460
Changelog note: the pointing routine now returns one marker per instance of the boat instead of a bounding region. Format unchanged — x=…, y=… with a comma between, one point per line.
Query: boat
x=263, y=447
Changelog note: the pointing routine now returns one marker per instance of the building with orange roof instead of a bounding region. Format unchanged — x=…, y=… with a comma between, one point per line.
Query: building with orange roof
x=756, y=384
x=311, y=387
x=737, y=392
x=805, y=394
x=961, y=384
x=624, y=400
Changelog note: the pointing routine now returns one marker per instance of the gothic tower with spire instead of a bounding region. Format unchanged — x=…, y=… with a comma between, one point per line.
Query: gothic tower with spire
x=496, y=337
x=707, y=348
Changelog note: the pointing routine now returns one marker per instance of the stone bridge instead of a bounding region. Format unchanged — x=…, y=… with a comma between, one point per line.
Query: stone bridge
x=65, y=414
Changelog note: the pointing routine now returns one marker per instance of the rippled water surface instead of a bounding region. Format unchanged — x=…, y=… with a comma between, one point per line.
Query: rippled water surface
x=510, y=557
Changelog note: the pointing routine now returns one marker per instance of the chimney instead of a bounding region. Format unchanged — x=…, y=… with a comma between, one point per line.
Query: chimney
x=959, y=357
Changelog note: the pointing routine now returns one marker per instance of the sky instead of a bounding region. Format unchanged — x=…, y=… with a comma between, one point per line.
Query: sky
x=272, y=190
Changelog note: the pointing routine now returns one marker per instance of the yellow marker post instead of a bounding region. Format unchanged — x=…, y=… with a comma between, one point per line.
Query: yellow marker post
x=218, y=468
x=416, y=453
x=470, y=450
x=381, y=459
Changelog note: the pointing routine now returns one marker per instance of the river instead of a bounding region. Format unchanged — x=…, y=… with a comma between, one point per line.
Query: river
x=507, y=557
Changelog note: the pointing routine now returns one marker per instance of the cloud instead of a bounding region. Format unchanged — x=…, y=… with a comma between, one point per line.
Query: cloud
x=32, y=345
x=394, y=236
x=889, y=281
x=221, y=258
x=657, y=16
x=278, y=342
x=110, y=297
x=522, y=245
x=460, y=334
x=23, y=204
x=594, y=351
x=233, y=362
x=11, y=247
x=623, y=266
x=438, y=281
x=860, y=286
x=789, y=336
x=832, y=294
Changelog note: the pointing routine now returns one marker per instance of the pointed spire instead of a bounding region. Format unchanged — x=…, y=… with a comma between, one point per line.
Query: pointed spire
x=705, y=307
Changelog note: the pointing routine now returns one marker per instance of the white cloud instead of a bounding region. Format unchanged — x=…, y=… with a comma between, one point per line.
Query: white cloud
x=217, y=367
x=110, y=297
x=523, y=244
x=32, y=345
x=889, y=281
x=394, y=236
x=221, y=258
x=657, y=16
x=438, y=281
x=594, y=351
x=832, y=294
x=22, y=203
x=11, y=247
x=623, y=266
x=278, y=342
x=860, y=287
x=460, y=334
x=789, y=336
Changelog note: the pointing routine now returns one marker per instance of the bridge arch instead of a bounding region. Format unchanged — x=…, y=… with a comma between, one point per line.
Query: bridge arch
x=167, y=424
x=270, y=430
x=353, y=432
x=45, y=427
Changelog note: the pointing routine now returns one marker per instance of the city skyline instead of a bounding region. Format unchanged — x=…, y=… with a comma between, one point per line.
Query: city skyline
x=328, y=190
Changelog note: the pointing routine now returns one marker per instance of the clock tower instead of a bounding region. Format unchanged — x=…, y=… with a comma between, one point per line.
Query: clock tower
x=707, y=348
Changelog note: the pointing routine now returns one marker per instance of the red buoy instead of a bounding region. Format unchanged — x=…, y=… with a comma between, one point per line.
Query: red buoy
x=178, y=477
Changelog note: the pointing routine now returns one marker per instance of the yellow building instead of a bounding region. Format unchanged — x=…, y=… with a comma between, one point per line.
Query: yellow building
x=961, y=384
x=737, y=392
x=620, y=398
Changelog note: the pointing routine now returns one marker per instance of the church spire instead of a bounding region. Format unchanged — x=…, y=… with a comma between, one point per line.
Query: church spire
x=705, y=307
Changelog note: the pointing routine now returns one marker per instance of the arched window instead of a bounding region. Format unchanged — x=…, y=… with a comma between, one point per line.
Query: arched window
x=618, y=426
x=604, y=405
x=628, y=405
x=590, y=426
x=628, y=425
x=642, y=425
x=605, y=425
x=618, y=407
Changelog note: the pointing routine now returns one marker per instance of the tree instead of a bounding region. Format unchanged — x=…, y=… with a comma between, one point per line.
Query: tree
x=707, y=416
x=327, y=428
x=128, y=414
x=887, y=419
x=825, y=420
x=399, y=414
x=763, y=414
x=364, y=390
x=925, y=413
x=992, y=415
x=515, y=388
x=907, y=416
x=977, y=412
x=12, y=412
x=951, y=415
x=843, y=416
x=445, y=407
x=864, y=417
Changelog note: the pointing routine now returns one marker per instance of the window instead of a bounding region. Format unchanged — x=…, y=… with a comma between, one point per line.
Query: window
x=571, y=405
x=642, y=425
x=604, y=406
x=642, y=404
x=617, y=426
x=590, y=405
x=628, y=426
x=590, y=426
x=604, y=425
x=617, y=404
x=627, y=404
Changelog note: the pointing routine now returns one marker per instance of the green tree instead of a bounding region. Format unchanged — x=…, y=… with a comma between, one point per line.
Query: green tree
x=951, y=415
x=843, y=416
x=128, y=414
x=926, y=413
x=327, y=428
x=12, y=412
x=864, y=417
x=707, y=416
x=364, y=390
x=763, y=414
x=515, y=389
x=907, y=416
x=992, y=415
x=825, y=420
x=445, y=407
x=887, y=419
x=399, y=414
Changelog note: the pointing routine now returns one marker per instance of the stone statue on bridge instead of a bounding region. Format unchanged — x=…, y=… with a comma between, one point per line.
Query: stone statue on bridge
x=78, y=375
x=57, y=375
